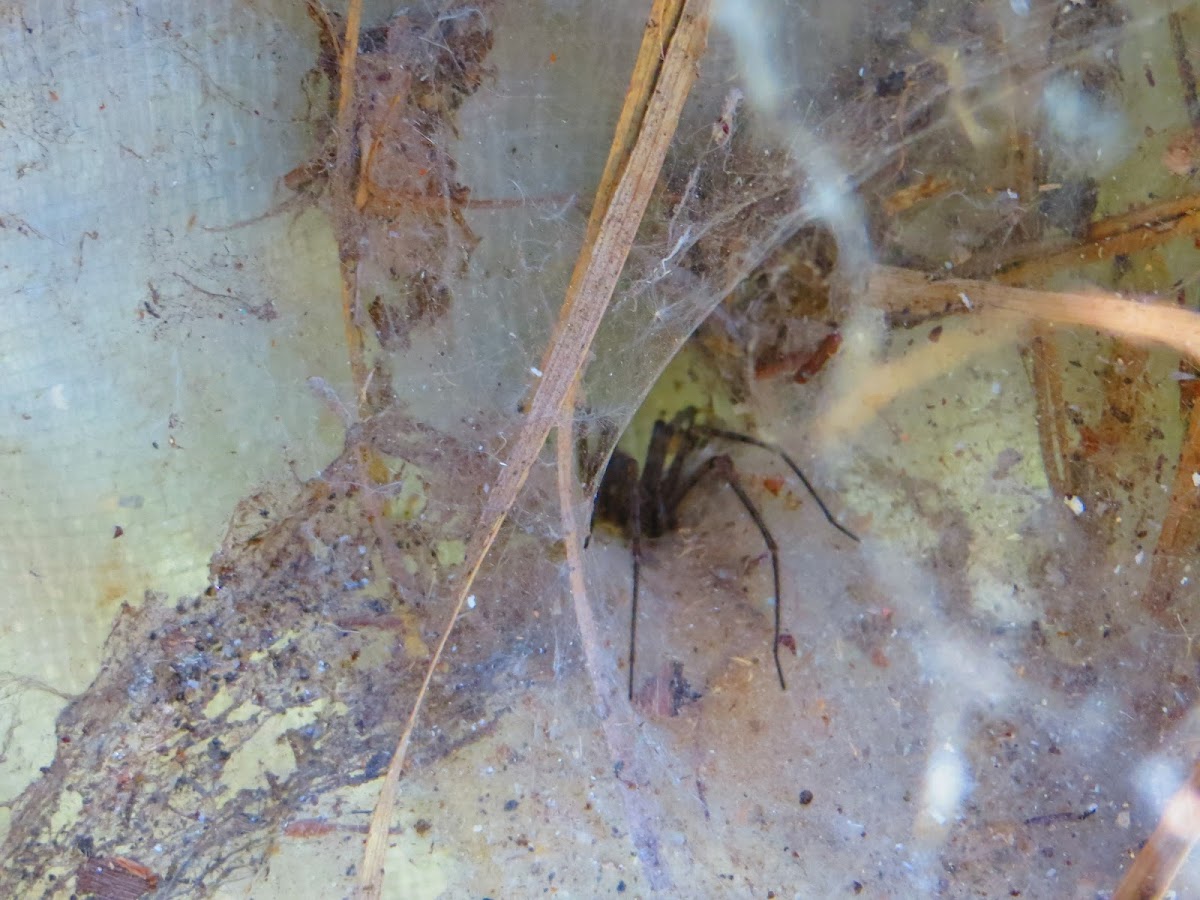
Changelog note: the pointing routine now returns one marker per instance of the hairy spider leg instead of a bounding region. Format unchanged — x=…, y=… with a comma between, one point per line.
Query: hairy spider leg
x=722, y=467
x=812, y=491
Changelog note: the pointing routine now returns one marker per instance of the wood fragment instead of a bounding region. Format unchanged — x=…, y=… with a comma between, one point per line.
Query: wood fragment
x=1158, y=862
x=679, y=30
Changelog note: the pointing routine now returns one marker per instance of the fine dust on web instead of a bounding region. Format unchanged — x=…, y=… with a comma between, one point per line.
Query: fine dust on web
x=1028, y=461
x=308, y=646
x=304, y=650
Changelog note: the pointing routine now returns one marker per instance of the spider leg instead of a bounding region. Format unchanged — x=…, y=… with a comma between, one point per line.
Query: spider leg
x=652, y=481
x=812, y=491
x=722, y=467
x=672, y=485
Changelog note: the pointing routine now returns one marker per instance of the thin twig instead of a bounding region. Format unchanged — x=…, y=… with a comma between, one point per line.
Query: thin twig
x=588, y=295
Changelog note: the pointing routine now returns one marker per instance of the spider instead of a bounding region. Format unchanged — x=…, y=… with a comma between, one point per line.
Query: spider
x=646, y=505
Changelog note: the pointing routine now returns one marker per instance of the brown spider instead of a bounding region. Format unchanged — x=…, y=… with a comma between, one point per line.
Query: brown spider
x=646, y=505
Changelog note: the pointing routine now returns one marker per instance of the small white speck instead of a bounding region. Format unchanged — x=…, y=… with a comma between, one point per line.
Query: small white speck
x=1075, y=505
x=58, y=397
x=471, y=602
x=1140, y=558
x=1196, y=479
x=947, y=784
x=996, y=389
x=966, y=301
x=537, y=373
x=862, y=71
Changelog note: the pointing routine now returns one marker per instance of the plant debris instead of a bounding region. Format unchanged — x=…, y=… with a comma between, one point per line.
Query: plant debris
x=297, y=640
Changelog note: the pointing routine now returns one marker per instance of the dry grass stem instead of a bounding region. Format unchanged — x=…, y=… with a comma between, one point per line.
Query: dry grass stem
x=870, y=390
x=1048, y=399
x=680, y=36
x=1157, y=863
x=1126, y=243
x=1180, y=527
x=1007, y=309
x=342, y=186
x=1142, y=228
x=1150, y=322
x=641, y=811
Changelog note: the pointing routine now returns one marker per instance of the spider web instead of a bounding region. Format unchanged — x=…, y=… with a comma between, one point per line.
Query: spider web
x=968, y=686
